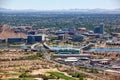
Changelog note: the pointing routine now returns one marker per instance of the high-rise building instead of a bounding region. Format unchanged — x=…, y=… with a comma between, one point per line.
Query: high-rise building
x=99, y=29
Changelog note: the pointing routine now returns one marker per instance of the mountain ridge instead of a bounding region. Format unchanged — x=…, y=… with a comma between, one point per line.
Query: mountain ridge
x=96, y=10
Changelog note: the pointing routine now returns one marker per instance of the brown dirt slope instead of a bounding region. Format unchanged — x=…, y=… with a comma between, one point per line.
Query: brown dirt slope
x=6, y=32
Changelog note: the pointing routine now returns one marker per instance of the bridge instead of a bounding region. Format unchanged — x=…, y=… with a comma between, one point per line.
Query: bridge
x=33, y=47
x=87, y=46
x=47, y=47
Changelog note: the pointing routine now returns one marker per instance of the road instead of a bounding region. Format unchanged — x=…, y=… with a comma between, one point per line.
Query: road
x=47, y=57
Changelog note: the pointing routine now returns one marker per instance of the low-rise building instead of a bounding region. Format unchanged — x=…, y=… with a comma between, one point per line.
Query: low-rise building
x=71, y=59
x=16, y=40
x=78, y=38
x=2, y=40
x=100, y=61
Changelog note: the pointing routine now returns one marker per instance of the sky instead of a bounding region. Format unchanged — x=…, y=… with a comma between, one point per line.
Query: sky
x=59, y=4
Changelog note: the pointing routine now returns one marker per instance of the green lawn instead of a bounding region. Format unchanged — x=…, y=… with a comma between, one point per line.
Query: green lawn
x=21, y=79
x=61, y=75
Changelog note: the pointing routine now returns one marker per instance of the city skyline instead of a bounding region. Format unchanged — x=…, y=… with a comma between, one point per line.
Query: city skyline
x=61, y=4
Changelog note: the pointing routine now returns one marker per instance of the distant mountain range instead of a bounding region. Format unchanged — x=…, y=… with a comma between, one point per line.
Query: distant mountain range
x=101, y=11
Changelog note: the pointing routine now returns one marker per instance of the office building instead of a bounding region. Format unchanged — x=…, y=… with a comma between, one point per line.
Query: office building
x=16, y=40
x=2, y=40
x=72, y=30
x=31, y=33
x=78, y=38
x=99, y=29
x=35, y=38
x=62, y=36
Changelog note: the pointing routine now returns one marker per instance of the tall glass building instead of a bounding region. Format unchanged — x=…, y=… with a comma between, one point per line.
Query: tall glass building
x=99, y=29
x=31, y=39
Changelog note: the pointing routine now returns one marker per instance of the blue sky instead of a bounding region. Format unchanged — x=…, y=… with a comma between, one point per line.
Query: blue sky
x=59, y=4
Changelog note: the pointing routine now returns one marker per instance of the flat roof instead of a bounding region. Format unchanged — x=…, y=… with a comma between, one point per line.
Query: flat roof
x=75, y=55
x=71, y=59
x=36, y=35
x=101, y=59
x=116, y=66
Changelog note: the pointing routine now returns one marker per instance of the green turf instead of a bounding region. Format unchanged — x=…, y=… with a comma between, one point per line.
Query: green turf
x=21, y=79
x=61, y=75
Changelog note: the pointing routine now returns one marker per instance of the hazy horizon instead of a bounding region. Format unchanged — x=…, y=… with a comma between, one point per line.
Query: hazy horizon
x=59, y=4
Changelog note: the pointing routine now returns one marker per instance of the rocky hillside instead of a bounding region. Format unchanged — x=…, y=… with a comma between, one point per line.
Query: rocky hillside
x=6, y=32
